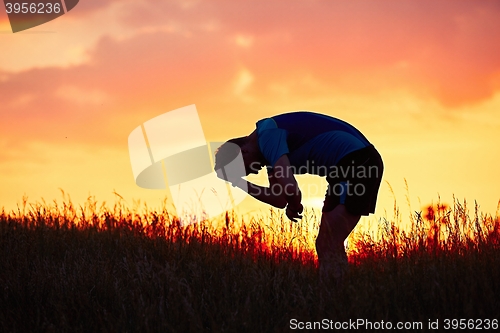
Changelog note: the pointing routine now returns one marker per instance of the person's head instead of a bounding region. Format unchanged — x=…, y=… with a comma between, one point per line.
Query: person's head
x=252, y=157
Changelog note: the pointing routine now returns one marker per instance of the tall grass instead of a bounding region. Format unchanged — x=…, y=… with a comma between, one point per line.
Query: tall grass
x=97, y=269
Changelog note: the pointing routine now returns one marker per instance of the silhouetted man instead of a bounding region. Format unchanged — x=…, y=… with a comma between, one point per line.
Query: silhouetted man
x=307, y=142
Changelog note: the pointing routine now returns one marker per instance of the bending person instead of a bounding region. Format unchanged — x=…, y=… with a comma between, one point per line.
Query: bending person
x=307, y=142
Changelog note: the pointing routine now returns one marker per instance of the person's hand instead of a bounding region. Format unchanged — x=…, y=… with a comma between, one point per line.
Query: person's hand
x=293, y=212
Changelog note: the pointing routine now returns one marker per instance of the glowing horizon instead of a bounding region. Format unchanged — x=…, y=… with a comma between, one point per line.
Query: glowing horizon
x=421, y=79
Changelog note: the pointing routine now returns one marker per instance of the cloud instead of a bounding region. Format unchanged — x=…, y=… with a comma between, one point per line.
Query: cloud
x=121, y=77
x=445, y=51
x=179, y=53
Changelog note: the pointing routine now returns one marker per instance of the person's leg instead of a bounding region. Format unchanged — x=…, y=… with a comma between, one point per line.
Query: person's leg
x=337, y=221
x=335, y=226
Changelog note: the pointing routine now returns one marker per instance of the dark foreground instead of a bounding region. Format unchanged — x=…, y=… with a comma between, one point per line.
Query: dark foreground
x=118, y=272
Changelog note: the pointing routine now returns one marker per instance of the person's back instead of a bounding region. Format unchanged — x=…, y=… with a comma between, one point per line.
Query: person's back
x=304, y=125
x=314, y=141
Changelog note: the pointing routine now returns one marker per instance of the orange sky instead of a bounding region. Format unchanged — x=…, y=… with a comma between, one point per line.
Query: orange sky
x=421, y=79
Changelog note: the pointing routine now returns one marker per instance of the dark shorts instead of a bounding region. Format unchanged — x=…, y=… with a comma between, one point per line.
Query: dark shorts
x=355, y=182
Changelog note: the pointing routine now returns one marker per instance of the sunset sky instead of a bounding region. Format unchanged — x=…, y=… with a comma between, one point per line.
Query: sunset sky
x=421, y=79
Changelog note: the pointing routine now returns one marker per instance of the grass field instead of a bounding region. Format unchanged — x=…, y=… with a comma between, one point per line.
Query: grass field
x=96, y=269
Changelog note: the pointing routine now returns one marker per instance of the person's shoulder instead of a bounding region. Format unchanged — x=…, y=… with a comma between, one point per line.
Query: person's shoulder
x=266, y=124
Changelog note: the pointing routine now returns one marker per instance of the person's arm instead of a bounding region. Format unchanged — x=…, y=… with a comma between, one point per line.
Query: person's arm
x=283, y=190
x=270, y=195
x=283, y=174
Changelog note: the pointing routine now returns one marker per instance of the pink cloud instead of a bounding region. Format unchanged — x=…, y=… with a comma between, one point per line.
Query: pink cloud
x=84, y=102
x=449, y=52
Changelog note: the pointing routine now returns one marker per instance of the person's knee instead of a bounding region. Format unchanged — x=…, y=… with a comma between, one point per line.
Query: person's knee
x=339, y=222
x=335, y=227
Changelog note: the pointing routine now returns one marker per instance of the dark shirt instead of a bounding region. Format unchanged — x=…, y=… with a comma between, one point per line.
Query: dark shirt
x=312, y=141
